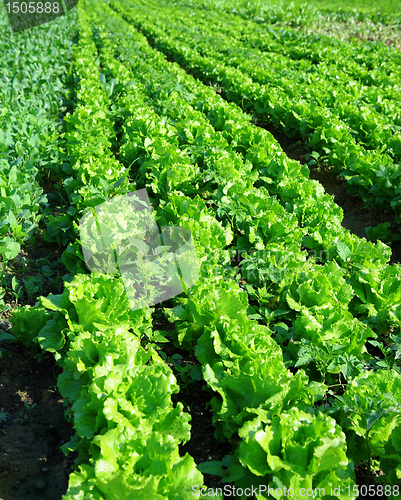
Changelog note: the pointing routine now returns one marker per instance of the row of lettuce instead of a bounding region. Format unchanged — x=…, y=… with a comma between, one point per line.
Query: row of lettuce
x=31, y=93
x=127, y=428
x=373, y=66
x=323, y=318
x=307, y=111
x=208, y=169
x=315, y=211
x=254, y=161
x=300, y=14
x=323, y=83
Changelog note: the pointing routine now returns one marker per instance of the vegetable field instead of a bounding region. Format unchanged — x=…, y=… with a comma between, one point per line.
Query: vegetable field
x=271, y=134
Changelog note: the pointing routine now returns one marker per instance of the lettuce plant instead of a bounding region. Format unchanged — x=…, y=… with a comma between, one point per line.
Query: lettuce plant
x=370, y=409
x=294, y=450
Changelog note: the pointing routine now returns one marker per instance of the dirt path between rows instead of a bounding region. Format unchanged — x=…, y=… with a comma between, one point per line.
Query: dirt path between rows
x=356, y=217
x=32, y=426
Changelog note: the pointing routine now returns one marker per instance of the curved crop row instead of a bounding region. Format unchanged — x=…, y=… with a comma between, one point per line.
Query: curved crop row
x=360, y=61
x=368, y=81
x=31, y=93
x=127, y=429
x=192, y=322
x=300, y=81
x=373, y=175
x=200, y=156
x=290, y=390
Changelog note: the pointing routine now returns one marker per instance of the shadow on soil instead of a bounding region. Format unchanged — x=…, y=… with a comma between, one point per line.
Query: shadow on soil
x=356, y=216
x=32, y=426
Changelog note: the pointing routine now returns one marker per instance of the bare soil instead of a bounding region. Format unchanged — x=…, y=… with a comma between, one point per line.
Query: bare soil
x=32, y=412
x=32, y=466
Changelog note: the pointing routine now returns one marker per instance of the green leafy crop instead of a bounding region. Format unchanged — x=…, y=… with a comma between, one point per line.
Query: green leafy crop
x=296, y=450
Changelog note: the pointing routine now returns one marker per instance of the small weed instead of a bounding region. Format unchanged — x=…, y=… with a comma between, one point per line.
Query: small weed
x=25, y=412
